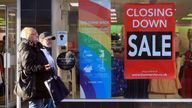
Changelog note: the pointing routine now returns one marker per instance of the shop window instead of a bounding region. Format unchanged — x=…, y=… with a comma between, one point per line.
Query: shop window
x=41, y=4
x=27, y=26
x=28, y=17
x=41, y=29
x=43, y=17
x=28, y=4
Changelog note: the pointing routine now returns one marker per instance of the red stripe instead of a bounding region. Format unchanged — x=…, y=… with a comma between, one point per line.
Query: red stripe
x=94, y=8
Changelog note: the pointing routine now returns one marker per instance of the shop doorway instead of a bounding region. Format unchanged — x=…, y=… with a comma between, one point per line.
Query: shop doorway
x=8, y=53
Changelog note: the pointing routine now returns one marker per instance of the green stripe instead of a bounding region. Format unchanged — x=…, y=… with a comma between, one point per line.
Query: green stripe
x=92, y=45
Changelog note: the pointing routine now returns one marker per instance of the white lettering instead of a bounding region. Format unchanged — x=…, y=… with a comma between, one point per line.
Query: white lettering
x=163, y=23
x=149, y=23
x=158, y=23
x=131, y=38
x=144, y=23
x=169, y=12
x=154, y=23
x=135, y=23
x=160, y=12
x=166, y=45
x=143, y=12
x=144, y=46
x=154, y=52
x=151, y=12
x=128, y=12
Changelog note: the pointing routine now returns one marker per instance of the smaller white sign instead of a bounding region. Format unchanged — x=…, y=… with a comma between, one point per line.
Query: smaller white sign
x=62, y=38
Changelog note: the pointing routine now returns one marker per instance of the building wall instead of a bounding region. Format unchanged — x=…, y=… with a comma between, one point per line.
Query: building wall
x=59, y=23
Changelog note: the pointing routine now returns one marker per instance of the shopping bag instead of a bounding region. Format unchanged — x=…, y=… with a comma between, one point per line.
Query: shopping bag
x=56, y=88
x=25, y=87
x=1, y=78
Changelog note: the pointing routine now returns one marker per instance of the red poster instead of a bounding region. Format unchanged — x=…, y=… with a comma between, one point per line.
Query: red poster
x=149, y=41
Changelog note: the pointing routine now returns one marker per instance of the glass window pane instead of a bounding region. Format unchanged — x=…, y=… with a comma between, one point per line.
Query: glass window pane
x=43, y=17
x=28, y=4
x=28, y=17
x=41, y=29
x=44, y=4
x=22, y=26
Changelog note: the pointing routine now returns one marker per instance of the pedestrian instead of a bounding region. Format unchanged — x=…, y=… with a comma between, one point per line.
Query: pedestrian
x=32, y=62
x=46, y=39
x=2, y=74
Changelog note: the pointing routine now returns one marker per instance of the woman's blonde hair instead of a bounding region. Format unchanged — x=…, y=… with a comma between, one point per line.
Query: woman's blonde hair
x=26, y=32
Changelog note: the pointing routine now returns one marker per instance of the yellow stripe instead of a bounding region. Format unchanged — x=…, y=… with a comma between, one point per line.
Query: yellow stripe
x=96, y=34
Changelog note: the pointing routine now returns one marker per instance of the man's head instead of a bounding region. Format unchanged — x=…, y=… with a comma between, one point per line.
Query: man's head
x=46, y=39
x=30, y=34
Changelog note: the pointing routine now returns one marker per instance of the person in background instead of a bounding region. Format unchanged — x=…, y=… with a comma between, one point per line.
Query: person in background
x=33, y=63
x=46, y=40
x=186, y=77
x=2, y=82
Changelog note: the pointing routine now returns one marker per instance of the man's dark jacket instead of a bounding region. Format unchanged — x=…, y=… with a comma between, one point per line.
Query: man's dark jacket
x=31, y=61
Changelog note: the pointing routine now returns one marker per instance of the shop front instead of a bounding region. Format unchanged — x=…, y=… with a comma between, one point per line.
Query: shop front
x=125, y=51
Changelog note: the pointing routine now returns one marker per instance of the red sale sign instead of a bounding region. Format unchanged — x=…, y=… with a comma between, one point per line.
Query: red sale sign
x=149, y=41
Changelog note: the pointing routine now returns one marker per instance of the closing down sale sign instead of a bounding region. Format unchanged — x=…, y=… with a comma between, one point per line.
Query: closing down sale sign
x=149, y=41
